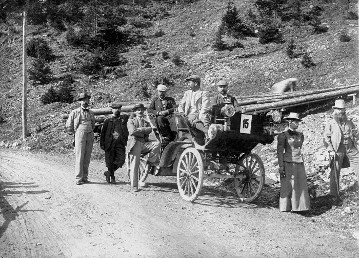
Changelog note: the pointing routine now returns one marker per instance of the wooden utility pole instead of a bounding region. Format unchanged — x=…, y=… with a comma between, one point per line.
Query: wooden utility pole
x=24, y=73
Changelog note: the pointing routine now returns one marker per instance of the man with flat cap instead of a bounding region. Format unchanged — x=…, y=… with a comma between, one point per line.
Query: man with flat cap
x=196, y=105
x=222, y=97
x=138, y=143
x=81, y=122
x=113, y=140
x=162, y=107
x=340, y=139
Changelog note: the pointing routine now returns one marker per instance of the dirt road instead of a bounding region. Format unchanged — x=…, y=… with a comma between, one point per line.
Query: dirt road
x=44, y=214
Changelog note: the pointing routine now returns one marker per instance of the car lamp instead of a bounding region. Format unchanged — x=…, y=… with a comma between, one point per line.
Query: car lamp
x=276, y=115
x=228, y=110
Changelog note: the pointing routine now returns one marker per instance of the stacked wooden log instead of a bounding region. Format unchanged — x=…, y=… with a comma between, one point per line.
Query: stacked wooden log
x=267, y=102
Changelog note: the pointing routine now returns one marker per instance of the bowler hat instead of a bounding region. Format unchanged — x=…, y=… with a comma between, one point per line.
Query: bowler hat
x=194, y=78
x=293, y=116
x=138, y=106
x=115, y=106
x=162, y=87
x=222, y=83
x=339, y=104
x=83, y=95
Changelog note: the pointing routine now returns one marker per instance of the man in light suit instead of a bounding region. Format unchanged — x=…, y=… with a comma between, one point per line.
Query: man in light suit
x=162, y=107
x=340, y=140
x=196, y=105
x=138, y=143
x=81, y=123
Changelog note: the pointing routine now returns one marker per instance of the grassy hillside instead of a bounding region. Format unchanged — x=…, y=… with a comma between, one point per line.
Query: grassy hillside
x=189, y=33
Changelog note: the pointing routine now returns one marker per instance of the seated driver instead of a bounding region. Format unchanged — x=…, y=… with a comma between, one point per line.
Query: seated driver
x=196, y=105
x=222, y=97
x=162, y=107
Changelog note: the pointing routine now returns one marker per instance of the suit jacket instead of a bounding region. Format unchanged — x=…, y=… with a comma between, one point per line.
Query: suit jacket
x=333, y=135
x=137, y=133
x=156, y=106
x=73, y=121
x=108, y=129
x=203, y=103
x=289, y=147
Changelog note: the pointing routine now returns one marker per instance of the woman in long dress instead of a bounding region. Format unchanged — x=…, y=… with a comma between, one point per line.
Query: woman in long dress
x=294, y=194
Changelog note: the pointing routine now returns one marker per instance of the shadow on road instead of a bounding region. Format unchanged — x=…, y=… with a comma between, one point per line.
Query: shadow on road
x=8, y=212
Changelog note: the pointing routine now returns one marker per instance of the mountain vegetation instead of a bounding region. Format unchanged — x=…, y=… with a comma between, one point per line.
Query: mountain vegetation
x=119, y=50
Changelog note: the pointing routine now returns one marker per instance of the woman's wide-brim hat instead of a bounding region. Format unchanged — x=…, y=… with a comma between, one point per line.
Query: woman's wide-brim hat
x=339, y=104
x=293, y=116
x=83, y=96
x=138, y=106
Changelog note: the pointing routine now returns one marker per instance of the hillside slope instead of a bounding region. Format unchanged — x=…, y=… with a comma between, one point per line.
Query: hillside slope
x=189, y=33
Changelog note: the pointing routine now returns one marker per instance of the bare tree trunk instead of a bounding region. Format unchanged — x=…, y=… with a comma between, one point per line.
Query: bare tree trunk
x=24, y=74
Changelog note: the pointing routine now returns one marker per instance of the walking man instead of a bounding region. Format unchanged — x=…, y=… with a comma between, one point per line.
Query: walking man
x=340, y=140
x=81, y=123
x=196, y=105
x=113, y=140
x=138, y=143
x=162, y=107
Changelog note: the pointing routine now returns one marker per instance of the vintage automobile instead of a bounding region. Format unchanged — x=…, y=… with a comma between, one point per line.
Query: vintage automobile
x=226, y=154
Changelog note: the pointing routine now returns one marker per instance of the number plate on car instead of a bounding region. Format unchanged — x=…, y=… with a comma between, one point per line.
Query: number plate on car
x=246, y=124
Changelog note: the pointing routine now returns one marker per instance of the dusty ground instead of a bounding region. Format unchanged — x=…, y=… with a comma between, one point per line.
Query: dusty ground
x=44, y=214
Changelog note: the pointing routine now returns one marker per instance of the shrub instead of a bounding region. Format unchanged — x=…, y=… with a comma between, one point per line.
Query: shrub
x=110, y=56
x=92, y=64
x=307, y=61
x=270, y=34
x=233, y=24
x=218, y=44
x=290, y=49
x=72, y=38
x=144, y=92
x=39, y=48
x=352, y=15
x=66, y=92
x=159, y=33
x=344, y=37
x=165, y=55
x=40, y=72
x=177, y=60
x=50, y=96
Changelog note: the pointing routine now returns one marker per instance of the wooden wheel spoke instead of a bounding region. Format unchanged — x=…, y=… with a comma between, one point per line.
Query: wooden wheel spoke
x=194, y=178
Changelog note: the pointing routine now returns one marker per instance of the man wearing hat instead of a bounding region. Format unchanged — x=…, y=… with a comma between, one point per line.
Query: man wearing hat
x=114, y=135
x=196, y=105
x=162, y=107
x=81, y=123
x=138, y=142
x=222, y=97
x=340, y=137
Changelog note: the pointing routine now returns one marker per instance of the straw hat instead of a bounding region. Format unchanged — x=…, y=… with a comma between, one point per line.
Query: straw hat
x=162, y=87
x=339, y=104
x=293, y=116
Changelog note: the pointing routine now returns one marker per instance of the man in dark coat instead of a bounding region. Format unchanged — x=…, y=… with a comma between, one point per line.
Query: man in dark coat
x=114, y=135
x=162, y=107
x=222, y=98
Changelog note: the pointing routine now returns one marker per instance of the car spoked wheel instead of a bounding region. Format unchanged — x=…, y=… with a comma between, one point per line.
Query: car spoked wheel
x=249, y=178
x=190, y=174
